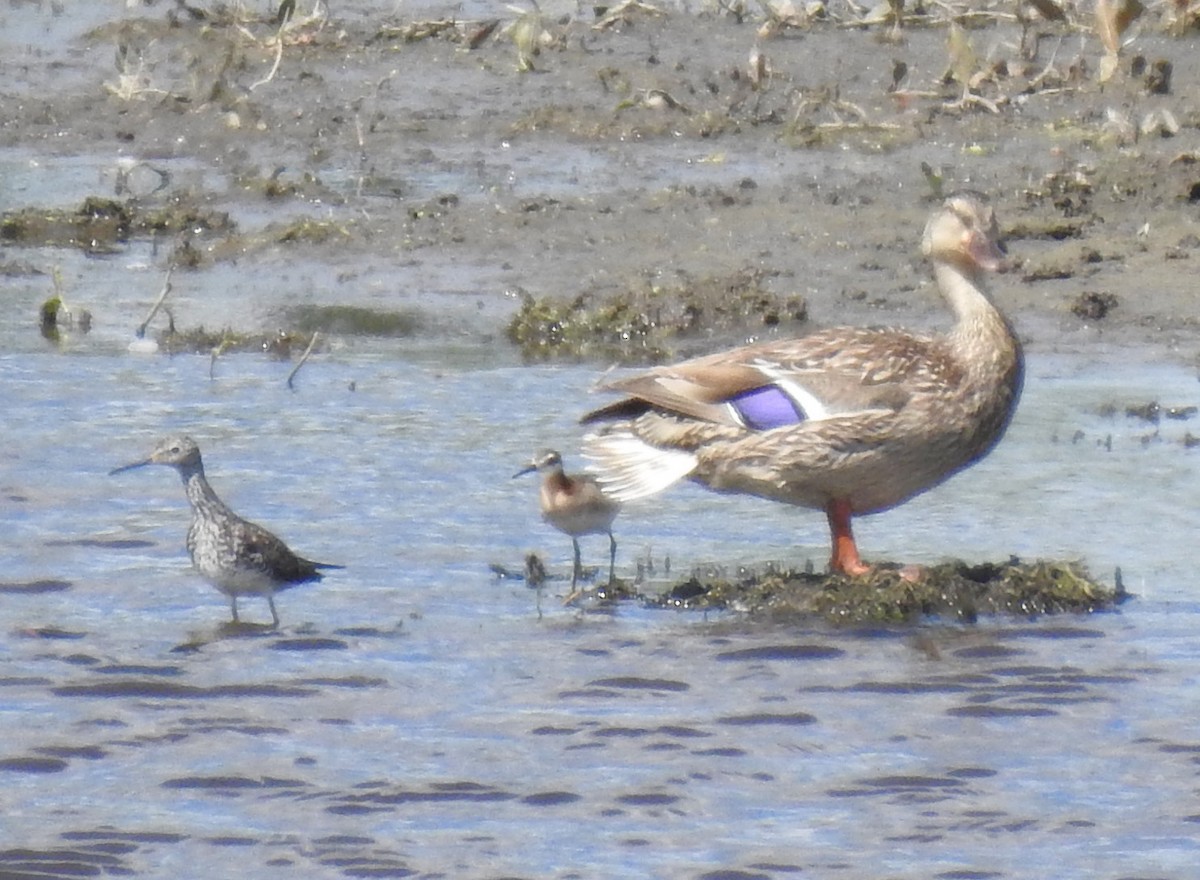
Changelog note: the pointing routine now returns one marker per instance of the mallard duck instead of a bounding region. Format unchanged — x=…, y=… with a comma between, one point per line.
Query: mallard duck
x=236, y=556
x=576, y=506
x=848, y=420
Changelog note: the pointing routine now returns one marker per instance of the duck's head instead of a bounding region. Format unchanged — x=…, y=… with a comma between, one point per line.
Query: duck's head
x=176, y=452
x=546, y=460
x=964, y=232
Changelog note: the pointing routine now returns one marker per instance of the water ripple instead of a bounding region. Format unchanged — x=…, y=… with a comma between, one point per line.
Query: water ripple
x=151, y=688
x=757, y=718
x=45, y=585
x=630, y=682
x=33, y=765
x=783, y=652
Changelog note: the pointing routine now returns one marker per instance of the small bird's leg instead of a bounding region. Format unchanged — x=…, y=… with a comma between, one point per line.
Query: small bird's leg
x=274, y=613
x=575, y=573
x=845, y=559
x=612, y=557
x=233, y=606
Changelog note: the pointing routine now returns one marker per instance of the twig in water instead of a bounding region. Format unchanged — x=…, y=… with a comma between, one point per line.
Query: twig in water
x=216, y=353
x=296, y=369
x=166, y=288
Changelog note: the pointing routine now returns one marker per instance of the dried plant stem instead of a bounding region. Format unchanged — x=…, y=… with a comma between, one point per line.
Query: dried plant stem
x=278, y=58
x=166, y=289
x=304, y=357
x=216, y=353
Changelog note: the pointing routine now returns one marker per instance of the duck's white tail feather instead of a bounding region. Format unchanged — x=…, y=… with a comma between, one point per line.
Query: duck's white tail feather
x=628, y=468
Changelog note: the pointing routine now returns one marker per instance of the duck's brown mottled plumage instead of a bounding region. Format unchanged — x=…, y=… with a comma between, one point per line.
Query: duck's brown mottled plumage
x=880, y=414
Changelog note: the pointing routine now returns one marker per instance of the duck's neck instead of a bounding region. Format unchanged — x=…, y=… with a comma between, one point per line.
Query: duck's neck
x=982, y=338
x=977, y=319
x=963, y=292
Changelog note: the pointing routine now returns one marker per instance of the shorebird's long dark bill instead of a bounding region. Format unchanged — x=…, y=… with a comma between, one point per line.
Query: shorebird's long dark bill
x=529, y=469
x=129, y=467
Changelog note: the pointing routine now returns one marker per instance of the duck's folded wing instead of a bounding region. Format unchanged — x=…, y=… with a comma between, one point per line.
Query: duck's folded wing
x=693, y=390
x=839, y=375
x=758, y=394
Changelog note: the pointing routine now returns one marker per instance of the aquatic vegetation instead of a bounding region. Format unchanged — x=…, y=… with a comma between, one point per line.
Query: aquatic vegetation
x=199, y=340
x=309, y=231
x=280, y=186
x=55, y=315
x=100, y=224
x=954, y=590
x=645, y=324
x=1094, y=305
x=527, y=33
x=354, y=320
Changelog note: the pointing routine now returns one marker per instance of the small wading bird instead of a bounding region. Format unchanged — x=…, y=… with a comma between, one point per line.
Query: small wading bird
x=236, y=556
x=575, y=506
x=847, y=420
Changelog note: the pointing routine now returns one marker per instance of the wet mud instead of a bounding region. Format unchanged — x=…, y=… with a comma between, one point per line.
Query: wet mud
x=794, y=150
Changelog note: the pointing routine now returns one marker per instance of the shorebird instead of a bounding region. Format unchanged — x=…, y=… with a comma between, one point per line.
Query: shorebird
x=576, y=506
x=236, y=556
x=847, y=420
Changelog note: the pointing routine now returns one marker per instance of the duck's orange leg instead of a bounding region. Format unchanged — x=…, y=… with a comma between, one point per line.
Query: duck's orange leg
x=845, y=559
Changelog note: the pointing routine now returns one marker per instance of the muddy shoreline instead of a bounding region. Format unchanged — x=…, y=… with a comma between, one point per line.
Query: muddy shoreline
x=401, y=156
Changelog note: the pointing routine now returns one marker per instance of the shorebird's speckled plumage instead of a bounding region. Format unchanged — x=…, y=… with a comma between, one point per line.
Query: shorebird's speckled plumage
x=575, y=505
x=847, y=420
x=236, y=556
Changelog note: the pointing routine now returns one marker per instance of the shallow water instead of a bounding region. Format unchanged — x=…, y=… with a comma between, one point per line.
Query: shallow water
x=415, y=717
